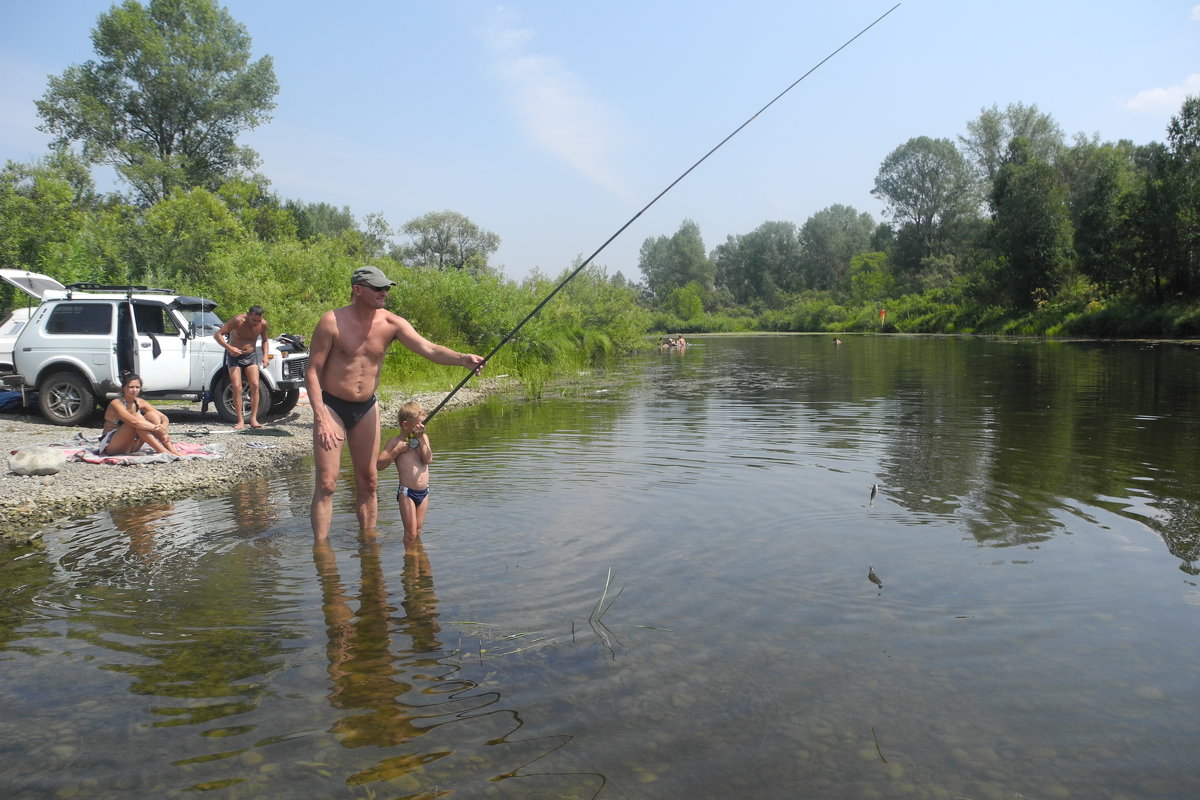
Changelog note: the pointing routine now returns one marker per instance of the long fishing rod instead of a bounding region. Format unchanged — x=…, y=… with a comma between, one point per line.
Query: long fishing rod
x=643, y=210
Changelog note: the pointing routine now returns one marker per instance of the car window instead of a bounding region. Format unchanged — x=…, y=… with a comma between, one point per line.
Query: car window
x=154, y=318
x=71, y=318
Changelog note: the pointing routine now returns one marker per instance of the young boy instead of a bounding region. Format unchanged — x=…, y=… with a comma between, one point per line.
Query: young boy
x=411, y=454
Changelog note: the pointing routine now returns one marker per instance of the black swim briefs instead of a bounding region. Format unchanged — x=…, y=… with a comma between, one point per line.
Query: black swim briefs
x=349, y=410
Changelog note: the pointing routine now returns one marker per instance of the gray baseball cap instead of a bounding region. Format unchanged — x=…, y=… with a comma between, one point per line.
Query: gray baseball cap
x=371, y=276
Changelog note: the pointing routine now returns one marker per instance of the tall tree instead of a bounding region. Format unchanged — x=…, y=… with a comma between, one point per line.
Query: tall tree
x=761, y=267
x=52, y=221
x=1101, y=179
x=172, y=88
x=179, y=236
x=871, y=278
x=989, y=136
x=1183, y=139
x=830, y=239
x=320, y=219
x=930, y=190
x=447, y=239
x=1032, y=226
x=672, y=262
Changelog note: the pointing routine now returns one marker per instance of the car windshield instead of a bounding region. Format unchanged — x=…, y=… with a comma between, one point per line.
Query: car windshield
x=204, y=323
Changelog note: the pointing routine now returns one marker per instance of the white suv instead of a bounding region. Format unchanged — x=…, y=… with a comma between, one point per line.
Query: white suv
x=76, y=345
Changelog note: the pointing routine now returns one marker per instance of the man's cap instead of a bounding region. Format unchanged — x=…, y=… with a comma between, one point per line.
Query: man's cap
x=371, y=276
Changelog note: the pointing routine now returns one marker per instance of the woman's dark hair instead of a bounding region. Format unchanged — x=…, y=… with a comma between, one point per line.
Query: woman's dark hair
x=129, y=377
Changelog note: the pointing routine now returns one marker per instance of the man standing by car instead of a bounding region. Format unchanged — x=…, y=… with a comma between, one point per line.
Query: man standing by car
x=243, y=330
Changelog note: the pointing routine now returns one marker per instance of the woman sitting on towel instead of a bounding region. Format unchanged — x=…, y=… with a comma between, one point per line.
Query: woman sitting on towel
x=130, y=422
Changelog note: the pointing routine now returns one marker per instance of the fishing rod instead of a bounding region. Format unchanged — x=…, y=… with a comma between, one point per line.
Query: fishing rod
x=643, y=210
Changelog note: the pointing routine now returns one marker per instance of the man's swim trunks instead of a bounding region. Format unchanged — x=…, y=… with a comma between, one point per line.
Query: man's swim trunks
x=241, y=360
x=416, y=495
x=350, y=411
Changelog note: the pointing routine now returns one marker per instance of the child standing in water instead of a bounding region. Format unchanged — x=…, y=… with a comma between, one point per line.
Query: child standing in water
x=411, y=454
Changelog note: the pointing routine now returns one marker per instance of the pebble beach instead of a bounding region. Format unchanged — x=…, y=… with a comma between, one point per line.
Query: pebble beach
x=29, y=503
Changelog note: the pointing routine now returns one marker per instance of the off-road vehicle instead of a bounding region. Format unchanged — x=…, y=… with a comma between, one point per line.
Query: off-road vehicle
x=76, y=345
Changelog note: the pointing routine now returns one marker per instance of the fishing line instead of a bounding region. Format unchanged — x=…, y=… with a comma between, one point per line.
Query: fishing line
x=644, y=208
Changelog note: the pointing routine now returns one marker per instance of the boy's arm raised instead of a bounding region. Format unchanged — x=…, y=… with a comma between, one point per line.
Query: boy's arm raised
x=389, y=453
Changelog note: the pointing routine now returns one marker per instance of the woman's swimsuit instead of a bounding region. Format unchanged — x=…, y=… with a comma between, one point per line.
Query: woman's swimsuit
x=416, y=495
x=102, y=445
x=106, y=439
x=349, y=410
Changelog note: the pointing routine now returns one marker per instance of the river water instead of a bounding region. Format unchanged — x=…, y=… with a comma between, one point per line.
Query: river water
x=656, y=585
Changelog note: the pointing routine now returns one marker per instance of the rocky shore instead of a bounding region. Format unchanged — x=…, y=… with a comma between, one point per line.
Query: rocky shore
x=29, y=503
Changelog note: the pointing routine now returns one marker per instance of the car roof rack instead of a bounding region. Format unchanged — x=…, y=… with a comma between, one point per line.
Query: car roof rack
x=105, y=287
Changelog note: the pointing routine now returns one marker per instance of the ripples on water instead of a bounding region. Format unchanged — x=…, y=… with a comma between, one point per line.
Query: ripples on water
x=1033, y=635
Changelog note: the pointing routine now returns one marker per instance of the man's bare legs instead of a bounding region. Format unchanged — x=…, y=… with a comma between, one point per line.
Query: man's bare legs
x=364, y=446
x=328, y=463
x=235, y=383
x=252, y=380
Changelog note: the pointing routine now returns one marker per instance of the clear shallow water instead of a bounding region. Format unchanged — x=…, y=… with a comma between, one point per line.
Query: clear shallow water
x=1035, y=635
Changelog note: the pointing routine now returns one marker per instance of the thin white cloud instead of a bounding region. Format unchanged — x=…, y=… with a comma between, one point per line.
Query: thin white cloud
x=554, y=109
x=1195, y=13
x=1168, y=98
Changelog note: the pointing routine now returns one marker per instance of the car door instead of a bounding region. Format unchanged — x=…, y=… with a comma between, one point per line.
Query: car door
x=160, y=349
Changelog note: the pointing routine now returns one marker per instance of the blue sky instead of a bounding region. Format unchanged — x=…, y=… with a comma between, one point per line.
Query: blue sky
x=552, y=123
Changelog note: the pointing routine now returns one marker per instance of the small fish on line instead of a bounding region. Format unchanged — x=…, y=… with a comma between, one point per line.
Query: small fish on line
x=874, y=491
x=873, y=578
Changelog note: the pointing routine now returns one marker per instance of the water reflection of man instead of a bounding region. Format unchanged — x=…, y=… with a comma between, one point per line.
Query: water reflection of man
x=141, y=523
x=365, y=675
x=253, y=514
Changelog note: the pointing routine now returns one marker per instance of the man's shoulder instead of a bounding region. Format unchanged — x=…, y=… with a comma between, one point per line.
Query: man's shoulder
x=395, y=321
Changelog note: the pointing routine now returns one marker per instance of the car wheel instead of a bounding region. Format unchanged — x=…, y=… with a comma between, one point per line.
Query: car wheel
x=66, y=398
x=283, y=402
x=223, y=395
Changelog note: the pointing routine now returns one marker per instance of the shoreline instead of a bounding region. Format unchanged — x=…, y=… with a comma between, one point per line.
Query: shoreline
x=31, y=503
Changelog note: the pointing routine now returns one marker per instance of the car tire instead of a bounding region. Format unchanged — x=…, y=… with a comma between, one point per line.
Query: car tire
x=66, y=398
x=223, y=400
x=283, y=402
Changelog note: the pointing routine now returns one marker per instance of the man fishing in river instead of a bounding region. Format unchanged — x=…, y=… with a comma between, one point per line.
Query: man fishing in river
x=344, y=369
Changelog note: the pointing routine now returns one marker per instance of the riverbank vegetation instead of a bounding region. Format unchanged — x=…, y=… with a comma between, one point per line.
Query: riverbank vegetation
x=1007, y=229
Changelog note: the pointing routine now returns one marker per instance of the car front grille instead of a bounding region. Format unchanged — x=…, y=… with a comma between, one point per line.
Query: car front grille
x=294, y=367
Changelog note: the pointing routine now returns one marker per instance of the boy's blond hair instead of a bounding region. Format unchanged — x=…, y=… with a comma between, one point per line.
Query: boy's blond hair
x=411, y=412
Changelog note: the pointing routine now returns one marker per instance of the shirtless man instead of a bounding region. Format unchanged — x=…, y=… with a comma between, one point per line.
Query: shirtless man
x=243, y=331
x=344, y=367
